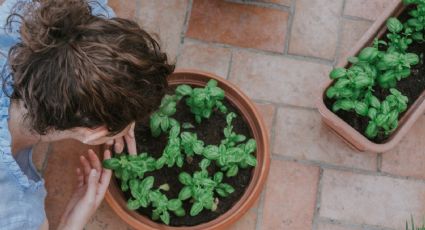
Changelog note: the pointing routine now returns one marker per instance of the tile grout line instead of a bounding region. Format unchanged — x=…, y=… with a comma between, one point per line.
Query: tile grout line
x=272, y=131
x=318, y=199
x=268, y=5
x=184, y=29
x=330, y=166
x=289, y=27
x=341, y=23
x=265, y=52
x=355, y=18
x=284, y=105
x=229, y=68
x=260, y=209
x=379, y=162
x=351, y=225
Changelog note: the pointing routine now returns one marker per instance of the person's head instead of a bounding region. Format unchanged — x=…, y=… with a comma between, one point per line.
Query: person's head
x=77, y=71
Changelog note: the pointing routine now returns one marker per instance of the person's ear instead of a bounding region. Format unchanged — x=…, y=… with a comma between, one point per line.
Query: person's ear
x=90, y=135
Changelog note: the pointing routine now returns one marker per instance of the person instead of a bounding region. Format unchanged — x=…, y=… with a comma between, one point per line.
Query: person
x=71, y=70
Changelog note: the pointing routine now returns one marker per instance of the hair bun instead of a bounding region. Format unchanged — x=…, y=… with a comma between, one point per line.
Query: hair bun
x=47, y=24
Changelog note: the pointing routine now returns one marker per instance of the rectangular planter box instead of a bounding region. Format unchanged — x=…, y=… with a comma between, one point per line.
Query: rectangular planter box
x=344, y=130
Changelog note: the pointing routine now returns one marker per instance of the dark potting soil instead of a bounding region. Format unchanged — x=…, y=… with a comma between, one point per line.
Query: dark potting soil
x=211, y=132
x=412, y=87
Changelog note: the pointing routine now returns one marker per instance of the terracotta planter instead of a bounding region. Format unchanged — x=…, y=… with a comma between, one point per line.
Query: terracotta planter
x=117, y=201
x=344, y=130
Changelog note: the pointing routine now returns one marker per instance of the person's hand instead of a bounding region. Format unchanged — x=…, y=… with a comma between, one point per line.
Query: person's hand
x=128, y=138
x=93, y=181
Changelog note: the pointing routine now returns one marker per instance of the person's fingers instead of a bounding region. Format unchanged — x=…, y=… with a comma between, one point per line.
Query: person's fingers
x=131, y=145
x=110, y=142
x=96, y=135
x=92, y=184
x=119, y=145
x=80, y=177
x=94, y=160
x=86, y=167
x=131, y=130
x=104, y=180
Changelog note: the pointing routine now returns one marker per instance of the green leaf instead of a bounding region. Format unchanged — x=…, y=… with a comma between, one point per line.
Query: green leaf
x=390, y=59
x=185, y=193
x=344, y=104
x=147, y=183
x=212, y=83
x=179, y=161
x=412, y=58
x=353, y=60
x=185, y=178
x=232, y=171
x=338, y=73
x=169, y=109
x=174, y=131
x=197, y=207
x=228, y=188
x=218, y=177
x=385, y=107
x=204, y=163
x=251, y=160
x=187, y=125
x=240, y=138
x=362, y=81
x=341, y=83
x=174, y=204
x=394, y=25
x=164, y=187
x=180, y=212
x=371, y=130
x=368, y=54
x=221, y=192
x=211, y=152
x=133, y=204
x=165, y=123
x=250, y=146
x=374, y=101
x=183, y=90
x=385, y=79
x=230, y=117
x=155, y=122
x=217, y=92
x=112, y=163
x=160, y=162
x=361, y=108
x=372, y=113
x=198, y=147
x=165, y=217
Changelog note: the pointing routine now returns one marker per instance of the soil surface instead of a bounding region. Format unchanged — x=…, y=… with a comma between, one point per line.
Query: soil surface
x=211, y=132
x=412, y=87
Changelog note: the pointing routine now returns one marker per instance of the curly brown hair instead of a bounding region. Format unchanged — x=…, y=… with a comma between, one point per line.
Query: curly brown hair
x=75, y=69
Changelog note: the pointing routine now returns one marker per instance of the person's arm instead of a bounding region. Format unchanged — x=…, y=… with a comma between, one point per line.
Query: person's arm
x=93, y=181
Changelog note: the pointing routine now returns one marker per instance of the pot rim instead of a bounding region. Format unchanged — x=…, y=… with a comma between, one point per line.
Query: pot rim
x=258, y=179
x=342, y=128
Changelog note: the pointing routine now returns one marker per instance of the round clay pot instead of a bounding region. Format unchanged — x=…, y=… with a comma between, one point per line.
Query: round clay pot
x=115, y=196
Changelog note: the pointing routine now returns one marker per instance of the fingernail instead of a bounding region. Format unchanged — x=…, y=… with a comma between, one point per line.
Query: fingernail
x=93, y=172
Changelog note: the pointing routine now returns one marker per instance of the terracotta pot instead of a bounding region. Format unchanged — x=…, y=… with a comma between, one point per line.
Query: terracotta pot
x=344, y=130
x=116, y=199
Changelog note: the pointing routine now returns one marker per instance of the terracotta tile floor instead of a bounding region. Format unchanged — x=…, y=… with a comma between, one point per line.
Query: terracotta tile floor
x=279, y=52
